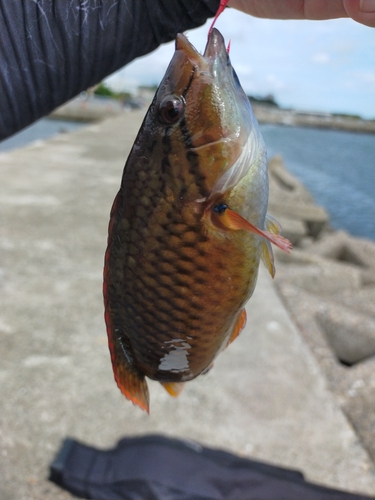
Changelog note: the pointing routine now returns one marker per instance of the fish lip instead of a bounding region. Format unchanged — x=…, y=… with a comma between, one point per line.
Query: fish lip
x=215, y=51
x=183, y=44
x=215, y=47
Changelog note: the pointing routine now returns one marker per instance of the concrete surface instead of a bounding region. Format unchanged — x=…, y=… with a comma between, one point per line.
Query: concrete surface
x=265, y=398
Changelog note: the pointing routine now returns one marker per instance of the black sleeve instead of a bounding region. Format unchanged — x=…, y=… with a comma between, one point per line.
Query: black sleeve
x=51, y=50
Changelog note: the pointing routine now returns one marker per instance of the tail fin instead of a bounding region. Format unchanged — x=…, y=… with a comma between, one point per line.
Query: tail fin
x=130, y=381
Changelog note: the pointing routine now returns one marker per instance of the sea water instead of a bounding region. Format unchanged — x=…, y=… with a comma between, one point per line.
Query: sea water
x=42, y=129
x=337, y=167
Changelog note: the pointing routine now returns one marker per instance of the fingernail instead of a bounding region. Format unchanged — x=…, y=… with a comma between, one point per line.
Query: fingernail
x=367, y=6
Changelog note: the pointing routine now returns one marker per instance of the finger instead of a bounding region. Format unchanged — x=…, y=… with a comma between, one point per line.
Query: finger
x=362, y=11
x=291, y=9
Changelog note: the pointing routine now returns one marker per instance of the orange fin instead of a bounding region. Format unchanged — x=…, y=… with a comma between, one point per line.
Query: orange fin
x=232, y=220
x=238, y=326
x=173, y=388
x=133, y=385
x=130, y=381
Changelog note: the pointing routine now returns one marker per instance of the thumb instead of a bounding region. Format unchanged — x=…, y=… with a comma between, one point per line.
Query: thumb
x=362, y=11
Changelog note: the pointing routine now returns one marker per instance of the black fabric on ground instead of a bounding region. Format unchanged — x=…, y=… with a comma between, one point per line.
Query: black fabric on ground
x=161, y=468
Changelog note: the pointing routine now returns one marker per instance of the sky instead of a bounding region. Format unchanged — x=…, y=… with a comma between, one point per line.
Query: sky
x=326, y=66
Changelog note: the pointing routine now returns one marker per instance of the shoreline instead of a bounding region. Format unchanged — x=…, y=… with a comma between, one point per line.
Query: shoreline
x=294, y=118
x=92, y=111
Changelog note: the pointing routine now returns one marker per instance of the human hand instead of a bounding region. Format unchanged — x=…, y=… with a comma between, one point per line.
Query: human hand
x=362, y=11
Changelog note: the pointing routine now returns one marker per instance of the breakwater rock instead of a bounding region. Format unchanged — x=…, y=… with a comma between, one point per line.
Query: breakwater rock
x=328, y=285
x=295, y=118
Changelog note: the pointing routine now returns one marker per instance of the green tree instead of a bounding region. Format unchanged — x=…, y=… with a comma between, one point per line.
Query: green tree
x=102, y=89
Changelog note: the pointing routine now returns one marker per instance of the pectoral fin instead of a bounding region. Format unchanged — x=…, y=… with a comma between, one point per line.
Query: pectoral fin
x=238, y=326
x=225, y=218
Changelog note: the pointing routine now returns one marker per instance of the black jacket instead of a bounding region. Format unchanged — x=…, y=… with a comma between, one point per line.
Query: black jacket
x=51, y=50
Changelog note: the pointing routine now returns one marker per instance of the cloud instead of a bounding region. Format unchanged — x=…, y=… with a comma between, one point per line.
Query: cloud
x=366, y=77
x=321, y=58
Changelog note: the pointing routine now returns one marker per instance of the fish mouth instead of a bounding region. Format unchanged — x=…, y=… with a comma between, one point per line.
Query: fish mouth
x=215, y=48
x=214, y=52
x=183, y=44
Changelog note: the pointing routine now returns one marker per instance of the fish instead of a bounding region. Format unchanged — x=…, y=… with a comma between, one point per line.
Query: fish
x=188, y=226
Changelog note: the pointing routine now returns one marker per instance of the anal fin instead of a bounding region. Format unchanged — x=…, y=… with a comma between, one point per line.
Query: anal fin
x=173, y=388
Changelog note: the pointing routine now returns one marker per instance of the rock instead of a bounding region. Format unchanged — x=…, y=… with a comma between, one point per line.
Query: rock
x=342, y=247
x=323, y=280
x=361, y=300
x=303, y=307
x=316, y=274
x=358, y=402
x=368, y=277
x=292, y=229
x=306, y=242
x=339, y=245
x=283, y=181
x=353, y=387
x=328, y=286
x=359, y=406
x=314, y=217
x=290, y=199
x=351, y=334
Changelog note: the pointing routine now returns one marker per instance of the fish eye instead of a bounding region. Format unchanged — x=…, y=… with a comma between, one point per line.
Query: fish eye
x=171, y=108
x=220, y=208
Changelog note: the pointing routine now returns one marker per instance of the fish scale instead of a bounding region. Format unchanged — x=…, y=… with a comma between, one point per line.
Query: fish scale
x=156, y=311
x=188, y=226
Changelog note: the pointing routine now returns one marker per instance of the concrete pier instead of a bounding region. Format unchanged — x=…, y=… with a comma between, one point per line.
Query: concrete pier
x=266, y=397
